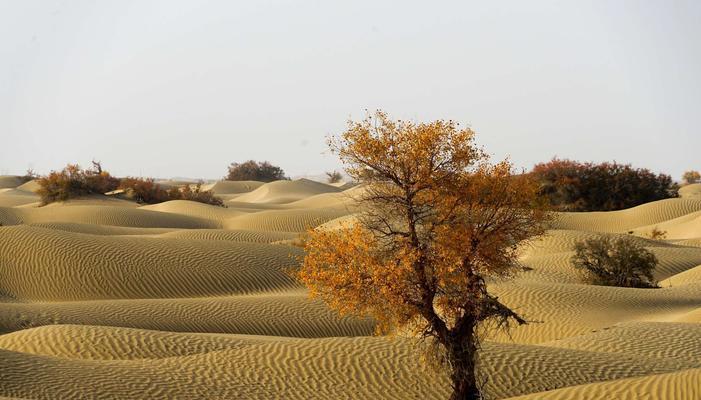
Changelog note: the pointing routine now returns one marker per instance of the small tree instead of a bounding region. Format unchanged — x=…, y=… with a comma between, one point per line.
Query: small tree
x=613, y=261
x=255, y=171
x=690, y=177
x=334, y=177
x=438, y=220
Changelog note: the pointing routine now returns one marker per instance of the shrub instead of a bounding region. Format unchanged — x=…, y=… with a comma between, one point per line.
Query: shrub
x=690, y=177
x=146, y=190
x=657, y=234
x=199, y=195
x=29, y=175
x=613, y=261
x=573, y=186
x=334, y=177
x=72, y=181
x=255, y=171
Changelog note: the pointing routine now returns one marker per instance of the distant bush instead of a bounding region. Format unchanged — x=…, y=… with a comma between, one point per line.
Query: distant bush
x=29, y=175
x=334, y=177
x=147, y=191
x=72, y=181
x=657, y=234
x=574, y=186
x=255, y=171
x=690, y=177
x=199, y=195
x=144, y=190
x=615, y=262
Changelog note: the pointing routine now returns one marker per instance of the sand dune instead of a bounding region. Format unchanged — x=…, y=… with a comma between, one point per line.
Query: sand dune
x=232, y=187
x=692, y=191
x=10, y=181
x=295, y=368
x=286, y=191
x=193, y=209
x=31, y=186
x=685, y=227
x=103, y=298
x=297, y=220
x=129, y=267
x=625, y=220
x=279, y=314
x=683, y=385
x=15, y=197
x=102, y=215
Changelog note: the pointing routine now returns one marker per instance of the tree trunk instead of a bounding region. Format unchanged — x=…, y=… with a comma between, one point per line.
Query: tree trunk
x=463, y=353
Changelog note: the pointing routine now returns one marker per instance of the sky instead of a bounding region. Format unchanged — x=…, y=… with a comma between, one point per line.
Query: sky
x=183, y=88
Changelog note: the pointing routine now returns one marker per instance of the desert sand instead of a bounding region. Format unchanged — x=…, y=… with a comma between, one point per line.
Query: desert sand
x=103, y=298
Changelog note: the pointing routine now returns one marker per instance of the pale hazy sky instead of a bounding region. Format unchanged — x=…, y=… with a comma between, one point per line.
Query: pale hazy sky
x=182, y=88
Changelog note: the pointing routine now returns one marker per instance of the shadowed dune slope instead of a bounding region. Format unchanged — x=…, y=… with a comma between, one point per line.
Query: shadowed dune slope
x=14, y=198
x=10, y=181
x=80, y=267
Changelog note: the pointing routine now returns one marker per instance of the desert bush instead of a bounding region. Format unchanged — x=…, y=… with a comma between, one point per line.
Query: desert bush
x=334, y=177
x=72, y=181
x=657, y=234
x=690, y=177
x=29, y=175
x=146, y=190
x=199, y=195
x=614, y=261
x=255, y=171
x=574, y=186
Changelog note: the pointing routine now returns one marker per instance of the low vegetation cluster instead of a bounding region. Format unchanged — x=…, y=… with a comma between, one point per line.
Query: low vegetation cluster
x=73, y=181
x=575, y=186
x=612, y=261
x=255, y=171
x=692, y=176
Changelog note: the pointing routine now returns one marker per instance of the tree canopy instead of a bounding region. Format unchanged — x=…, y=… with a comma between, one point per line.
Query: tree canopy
x=438, y=220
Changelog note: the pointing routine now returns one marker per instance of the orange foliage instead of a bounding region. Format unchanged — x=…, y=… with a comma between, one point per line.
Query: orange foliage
x=438, y=220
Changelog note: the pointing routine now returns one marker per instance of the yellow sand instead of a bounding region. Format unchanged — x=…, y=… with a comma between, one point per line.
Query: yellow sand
x=103, y=298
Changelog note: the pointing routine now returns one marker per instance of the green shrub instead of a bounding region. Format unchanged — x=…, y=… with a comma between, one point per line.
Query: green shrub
x=613, y=261
x=72, y=182
x=255, y=171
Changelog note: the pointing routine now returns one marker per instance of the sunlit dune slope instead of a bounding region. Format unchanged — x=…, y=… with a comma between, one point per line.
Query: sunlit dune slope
x=80, y=266
x=286, y=191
